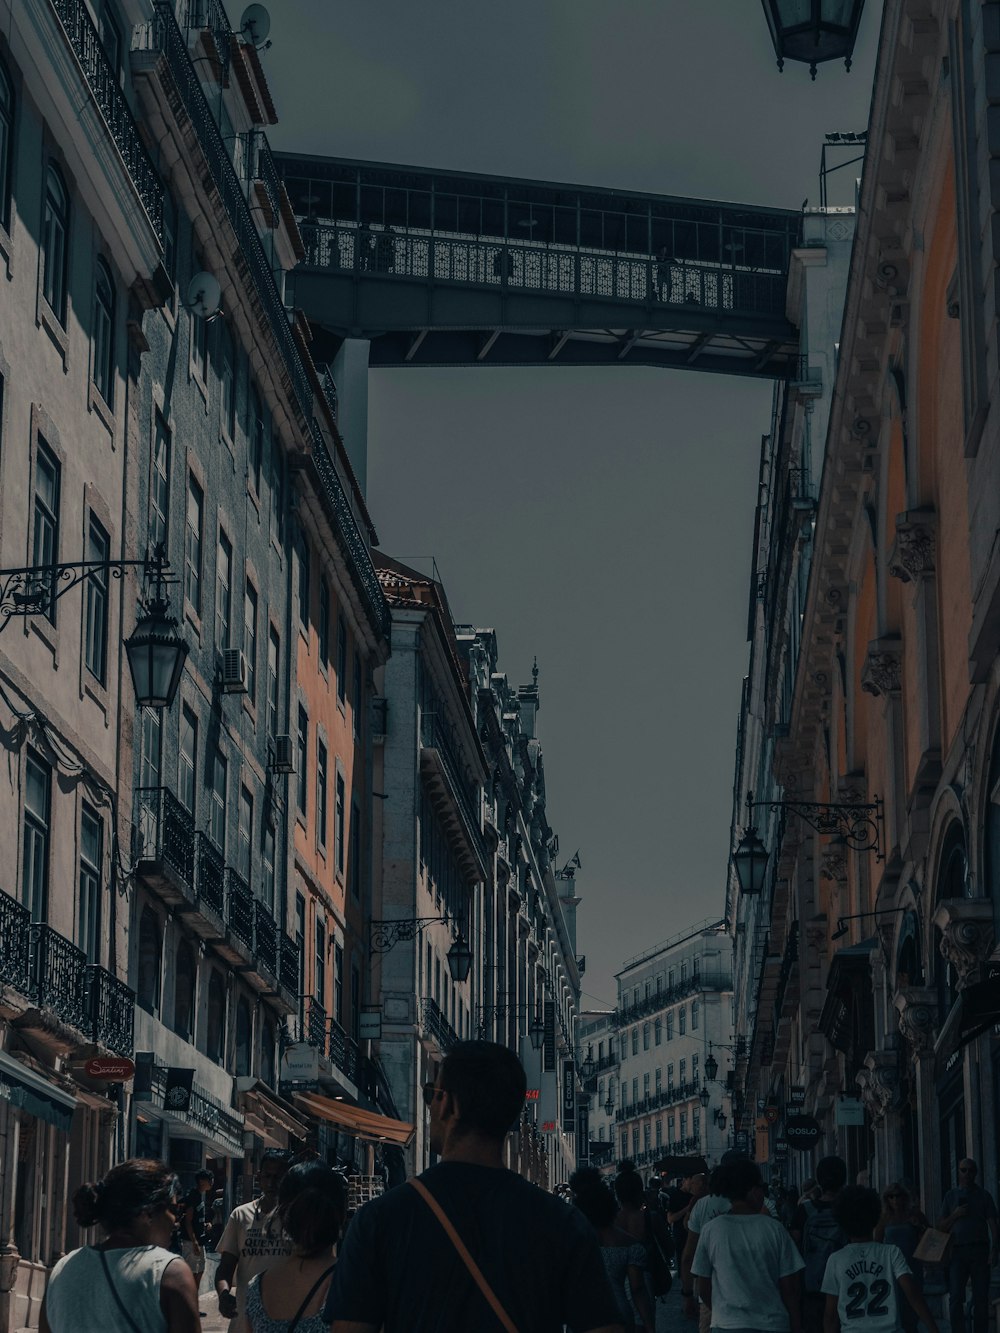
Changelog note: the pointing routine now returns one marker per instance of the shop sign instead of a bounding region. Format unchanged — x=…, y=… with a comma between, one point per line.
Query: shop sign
x=802, y=1131
x=781, y=1148
x=109, y=1069
x=370, y=1025
x=742, y=1140
x=548, y=1126
x=568, y=1097
x=300, y=1063
x=796, y=1097
x=850, y=1111
x=771, y=1113
x=177, y=1094
x=531, y=1095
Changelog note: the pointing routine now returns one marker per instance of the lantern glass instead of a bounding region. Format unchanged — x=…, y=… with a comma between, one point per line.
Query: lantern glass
x=156, y=654
x=704, y=1097
x=813, y=31
x=459, y=958
x=536, y=1032
x=711, y=1068
x=750, y=862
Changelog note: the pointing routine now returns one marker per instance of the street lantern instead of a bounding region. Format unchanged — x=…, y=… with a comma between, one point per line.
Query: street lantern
x=711, y=1066
x=750, y=862
x=459, y=958
x=813, y=31
x=704, y=1097
x=156, y=654
x=536, y=1030
x=609, y=1105
x=588, y=1067
x=720, y=1118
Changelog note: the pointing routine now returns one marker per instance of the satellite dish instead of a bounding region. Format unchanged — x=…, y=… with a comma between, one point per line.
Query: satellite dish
x=203, y=296
x=255, y=24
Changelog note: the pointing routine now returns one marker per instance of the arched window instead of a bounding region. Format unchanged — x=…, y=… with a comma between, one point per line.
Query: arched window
x=6, y=142
x=227, y=381
x=185, y=971
x=55, y=242
x=267, y=1053
x=951, y=883
x=216, y=1028
x=104, y=332
x=244, y=1034
x=148, y=970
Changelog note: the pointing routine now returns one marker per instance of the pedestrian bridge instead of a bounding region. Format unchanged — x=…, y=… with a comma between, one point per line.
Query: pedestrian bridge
x=449, y=268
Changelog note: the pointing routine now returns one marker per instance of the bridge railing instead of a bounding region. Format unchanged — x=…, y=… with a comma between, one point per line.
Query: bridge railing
x=542, y=268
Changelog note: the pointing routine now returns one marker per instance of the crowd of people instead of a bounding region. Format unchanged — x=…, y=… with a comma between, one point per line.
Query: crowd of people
x=472, y=1246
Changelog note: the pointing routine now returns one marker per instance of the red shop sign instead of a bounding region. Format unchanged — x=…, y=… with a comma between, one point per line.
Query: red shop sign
x=111, y=1069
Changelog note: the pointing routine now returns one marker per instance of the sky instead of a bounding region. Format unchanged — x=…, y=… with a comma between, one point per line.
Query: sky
x=599, y=520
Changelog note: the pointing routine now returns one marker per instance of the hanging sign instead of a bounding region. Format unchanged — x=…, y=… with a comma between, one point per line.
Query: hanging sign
x=802, y=1131
x=850, y=1111
x=771, y=1113
x=109, y=1069
x=370, y=1025
x=568, y=1097
x=796, y=1097
x=177, y=1094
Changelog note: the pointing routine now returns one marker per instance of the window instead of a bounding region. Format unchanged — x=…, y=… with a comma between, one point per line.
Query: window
x=670, y=979
x=223, y=591
x=96, y=644
x=623, y=1046
x=645, y=1084
x=277, y=492
x=354, y=857
x=319, y=963
x=321, y=793
x=268, y=884
x=244, y=1038
x=6, y=143
x=250, y=639
x=341, y=658
x=187, y=761
x=646, y=1137
x=104, y=333
x=159, y=485
x=151, y=749
x=684, y=971
x=694, y=1067
x=302, y=759
x=635, y=1041
x=694, y=1015
x=45, y=544
x=635, y=1140
x=55, y=242
x=696, y=1124
x=199, y=341
x=216, y=1026
x=227, y=382
x=683, y=1124
x=624, y=1142
x=670, y=1025
x=148, y=963
x=192, y=544
x=217, y=816
x=659, y=1133
x=185, y=973
x=273, y=660
x=300, y=939
x=258, y=435
x=358, y=710
x=670, y=1077
x=659, y=985
x=658, y=1080
x=303, y=582
x=245, y=834
x=323, y=625
x=37, y=835
x=681, y=1020
x=645, y=1036
x=600, y=1092
x=111, y=39
x=89, y=907
x=646, y=986
x=338, y=983
x=696, y=968
x=635, y=1089
x=657, y=1031
x=682, y=1071
x=338, y=826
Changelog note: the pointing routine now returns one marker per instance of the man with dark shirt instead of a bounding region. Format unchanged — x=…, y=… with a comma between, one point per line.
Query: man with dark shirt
x=398, y=1269
x=970, y=1216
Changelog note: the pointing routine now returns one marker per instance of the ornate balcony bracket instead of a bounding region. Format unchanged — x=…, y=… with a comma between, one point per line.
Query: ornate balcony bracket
x=385, y=935
x=913, y=555
x=880, y=1084
x=881, y=673
x=917, y=1009
x=966, y=926
x=859, y=823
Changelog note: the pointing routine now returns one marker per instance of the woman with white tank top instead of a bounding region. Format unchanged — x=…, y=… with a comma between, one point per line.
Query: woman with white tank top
x=129, y=1282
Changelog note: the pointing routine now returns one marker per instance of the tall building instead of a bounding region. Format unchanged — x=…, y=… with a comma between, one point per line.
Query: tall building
x=675, y=1009
x=598, y=1046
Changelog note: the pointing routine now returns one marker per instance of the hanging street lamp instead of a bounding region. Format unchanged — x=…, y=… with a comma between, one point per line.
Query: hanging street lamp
x=813, y=31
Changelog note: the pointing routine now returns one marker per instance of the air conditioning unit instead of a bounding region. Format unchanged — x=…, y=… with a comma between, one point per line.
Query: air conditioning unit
x=234, y=671
x=284, y=755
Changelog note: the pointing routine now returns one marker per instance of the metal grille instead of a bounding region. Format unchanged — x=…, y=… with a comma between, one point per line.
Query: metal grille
x=211, y=876
x=112, y=1008
x=240, y=903
x=435, y=1026
x=14, y=945
x=267, y=939
x=289, y=965
x=343, y=1051
x=165, y=831
x=316, y=1024
x=59, y=976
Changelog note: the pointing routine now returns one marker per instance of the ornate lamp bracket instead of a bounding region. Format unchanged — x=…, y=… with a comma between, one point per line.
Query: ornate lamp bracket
x=860, y=824
x=385, y=935
x=966, y=926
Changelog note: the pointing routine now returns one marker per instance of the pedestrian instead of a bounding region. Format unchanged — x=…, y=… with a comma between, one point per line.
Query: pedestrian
x=194, y=1232
x=312, y=1206
x=861, y=1278
x=902, y=1224
x=676, y=1204
x=252, y=1241
x=818, y=1235
x=468, y=1235
x=970, y=1217
x=129, y=1282
x=707, y=1205
x=645, y=1225
x=624, y=1256
x=745, y=1263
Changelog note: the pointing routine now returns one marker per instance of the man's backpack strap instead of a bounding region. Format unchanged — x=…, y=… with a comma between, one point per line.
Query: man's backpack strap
x=463, y=1254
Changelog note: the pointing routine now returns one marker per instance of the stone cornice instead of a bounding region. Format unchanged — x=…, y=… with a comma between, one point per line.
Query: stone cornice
x=966, y=926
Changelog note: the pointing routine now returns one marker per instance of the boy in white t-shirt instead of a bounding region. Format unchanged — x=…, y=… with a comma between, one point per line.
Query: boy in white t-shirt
x=862, y=1278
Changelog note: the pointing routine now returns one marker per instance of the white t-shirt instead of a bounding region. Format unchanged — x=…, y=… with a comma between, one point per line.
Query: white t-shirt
x=863, y=1276
x=704, y=1210
x=745, y=1254
x=257, y=1240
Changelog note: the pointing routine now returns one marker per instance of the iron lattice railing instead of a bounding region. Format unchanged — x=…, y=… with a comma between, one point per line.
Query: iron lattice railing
x=103, y=82
x=435, y=1026
x=662, y=999
x=240, y=907
x=681, y=1092
x=165, y=833
x=266, y=938
x=434, y=735
x=59, y=976
x=112, y=1009
x=344, y=1052
x=210, y=869
x=288, y=964
x=14, y=945
x=316, y=1024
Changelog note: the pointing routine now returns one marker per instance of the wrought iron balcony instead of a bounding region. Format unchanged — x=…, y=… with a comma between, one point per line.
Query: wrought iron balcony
x=205, y=1111
x=240, y=907
x=680, y=1092
x=112, y=1010
x=315, y=1025
x=714, y=981
x=434, y=735
x=288, y=964
x=102, y=79
x=210, y=876
x=435, y=1027
x=14, y=953
x=266, y=938
x=344, y=1052
x=59, y=976
x=329, y=385
x=164, y=833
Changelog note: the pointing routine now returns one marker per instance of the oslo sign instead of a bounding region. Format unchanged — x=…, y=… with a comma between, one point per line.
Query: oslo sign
x=802, y=1131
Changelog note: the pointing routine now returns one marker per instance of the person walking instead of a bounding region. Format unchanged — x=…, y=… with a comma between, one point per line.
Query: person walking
x=645, y=1225
x=745, y=1263
x=902, y=1224
x=624, y=1256
x=468, y=1235
x=129, y=1282
x=252, y=1241
x=818, y=1235
x=312, y=1206
x=194, y=1232
x=969, y=1214
x=861, y=1278
x=708, y=1204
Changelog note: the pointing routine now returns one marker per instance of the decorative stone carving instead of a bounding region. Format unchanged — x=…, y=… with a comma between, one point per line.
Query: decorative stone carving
x=880, y=1084
x=913, y=552
x=966, y=926
x=816, y=935
x=882, y=669
x=833, y=864
x=917, y=1009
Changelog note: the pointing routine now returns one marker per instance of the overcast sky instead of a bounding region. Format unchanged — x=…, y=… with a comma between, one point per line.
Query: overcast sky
x=599, y=519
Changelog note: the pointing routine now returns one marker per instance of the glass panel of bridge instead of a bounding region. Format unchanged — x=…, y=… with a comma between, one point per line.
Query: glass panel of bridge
x=373, y=204
x=419, y=209
x=344, y=205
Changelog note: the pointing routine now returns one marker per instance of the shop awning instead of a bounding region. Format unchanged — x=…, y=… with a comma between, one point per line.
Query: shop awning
x=21, y=1086
x=848, y=1017
x=365, y=1124
x=265, y=1112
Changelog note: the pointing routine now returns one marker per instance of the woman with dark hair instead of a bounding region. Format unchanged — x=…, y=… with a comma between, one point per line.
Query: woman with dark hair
x=645, y=1226
x=624, y=1257
x=289, y=1297
x=129, y=1282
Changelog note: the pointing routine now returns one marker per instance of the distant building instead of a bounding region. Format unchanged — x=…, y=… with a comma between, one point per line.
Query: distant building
x=598, y=1042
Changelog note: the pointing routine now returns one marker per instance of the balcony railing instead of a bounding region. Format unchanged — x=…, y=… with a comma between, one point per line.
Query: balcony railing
x=714, y=981
x=680, y=1092
x=315, y=1026
x=344, y=1052
x=435, y=1027
x=434, y=735
x=14, y=953
x=240, y=907
x=288, y=965
x=210, y=871
x=59, y=976
x=266, y=938
x=329, y=385
x=165, y=833
x=103, y=81
x=112, y=1010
